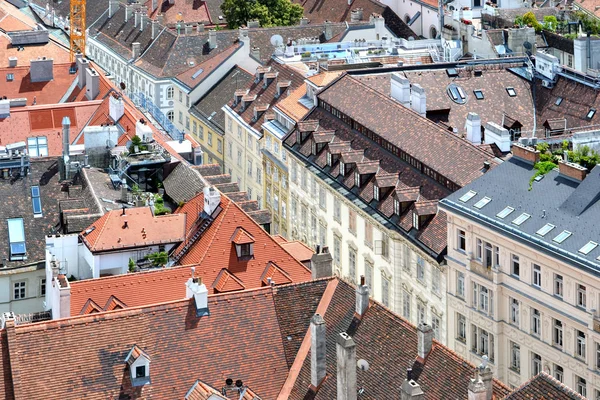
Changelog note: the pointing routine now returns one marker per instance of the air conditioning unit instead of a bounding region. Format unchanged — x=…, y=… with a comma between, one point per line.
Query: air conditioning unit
x=547, y=84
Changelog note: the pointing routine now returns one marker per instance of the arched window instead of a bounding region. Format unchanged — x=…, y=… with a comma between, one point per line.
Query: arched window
x=432, y=32
x=170, y=93
x=170, y=114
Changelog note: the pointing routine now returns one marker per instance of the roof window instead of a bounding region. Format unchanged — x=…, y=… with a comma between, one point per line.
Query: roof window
x=10, y=77
x=521, y=218
x=564, y=235
x=588, y=247
x=139, y=366
x=467, y=196
x=511, y=91
x=16, y=239
x=504, y=213
x=36, y=201
x=558, y=101
x=482, y=203
x=456, y=93
x=478, y=94
x=591, y=113
x=452, y=72
x=545, y=229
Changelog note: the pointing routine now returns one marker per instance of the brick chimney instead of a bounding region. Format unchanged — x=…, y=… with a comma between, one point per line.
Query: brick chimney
x=411, y=390
x=425, y=338
x=400, y=89
x=473, y=128
x=572, y=171
x=362, y=297
x=321, y=263
x=318, y=350
x=346, y=367
x=418, y=100
x=526, y=153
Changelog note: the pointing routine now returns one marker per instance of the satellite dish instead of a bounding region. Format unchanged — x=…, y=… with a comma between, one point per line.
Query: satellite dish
x=123, y=86
x=276, y=40
x=363, y=365
x=527, y=45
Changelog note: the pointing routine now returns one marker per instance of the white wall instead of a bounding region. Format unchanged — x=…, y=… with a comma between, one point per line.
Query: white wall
x=429, y=15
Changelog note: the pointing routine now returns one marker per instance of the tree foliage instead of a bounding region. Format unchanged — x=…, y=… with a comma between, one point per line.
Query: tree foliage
x=550, y=23
x=267, y=12
x=528, y=19
x=158, y=258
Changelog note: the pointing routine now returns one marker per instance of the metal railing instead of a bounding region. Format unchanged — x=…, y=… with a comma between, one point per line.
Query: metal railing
x=30, y=318
x=141, y=101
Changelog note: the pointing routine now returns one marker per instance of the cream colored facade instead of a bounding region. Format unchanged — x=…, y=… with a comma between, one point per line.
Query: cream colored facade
x=528, y=310
x=401, y=276
x=211, y=140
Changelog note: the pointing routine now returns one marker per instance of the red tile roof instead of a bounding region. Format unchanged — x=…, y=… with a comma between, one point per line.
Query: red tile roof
x=133, y=227
x=50, y=50
x=298, y=250
x=240, y=236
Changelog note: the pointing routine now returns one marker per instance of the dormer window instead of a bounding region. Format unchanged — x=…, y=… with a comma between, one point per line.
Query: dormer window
x=245, y=250
x=244, y=244
x=139, y=366
x=397, y=208
x=376, y=192
x=415, y=220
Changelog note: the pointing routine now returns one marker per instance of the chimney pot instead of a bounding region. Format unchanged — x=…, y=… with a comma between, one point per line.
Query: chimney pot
x=196, y=289
x=362, y=297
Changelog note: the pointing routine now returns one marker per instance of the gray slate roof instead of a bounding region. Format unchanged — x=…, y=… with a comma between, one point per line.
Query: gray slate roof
x=557, y=200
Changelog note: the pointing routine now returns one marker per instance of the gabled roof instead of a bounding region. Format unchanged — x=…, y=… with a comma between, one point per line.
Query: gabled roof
x=133, y=227
x=240, y=236
x=544, y=387
x=227, y=282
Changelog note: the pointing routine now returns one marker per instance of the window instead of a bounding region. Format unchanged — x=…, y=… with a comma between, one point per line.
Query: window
x=505, y=213
x=421, y=313
x=435, y=280
x=337, y=250
x=514, y=311
x=385, y=245
x=385, y=290
x=258, y=175
x=460, y=285
x=10, y=77
x=467, y=196
x=515, y=265
x=43, y=287
x=483, y=342
x=406, y=305
x=462, y=242
x=559, y=373
x=536, y=364
x=420, y=268
x=581, y=385
x=140, y=371
x=170, y=91
x=564, y=235
x=557, y=336
x=201, y=132
x=322, y=198
x=479, y=249
x=194, y=127
x=322, y=235
x=187, y=123
x=521, y=218
x=180, y=96
x=36, y=201
x=482, y=299
x=461, y=327
x=581, y=295
x=180, y=115
x=545, y=229
x=220, y=146
x=337, y=210
x=591, y=113
x=537, y=275
x=249, y=168
x=352, y=221
x=369, y=275
x=482, y=203
x=580, y=345
x=19, y=290
x=558, y=285
x=239, y=132
x=16, y=238
x=250, y=143
x=511, y=91
x=376, y=192
x=478, y=94
x=352, y=264
x=356, y=178
x=558, y=101
x=515, y=357
x=368, y=234
x=210, y=138
x=37, y=146
x=239, y=158
x=536, y=322
x=588, y=247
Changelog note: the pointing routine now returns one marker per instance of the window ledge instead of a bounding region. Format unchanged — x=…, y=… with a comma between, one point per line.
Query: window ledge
x=516, y=370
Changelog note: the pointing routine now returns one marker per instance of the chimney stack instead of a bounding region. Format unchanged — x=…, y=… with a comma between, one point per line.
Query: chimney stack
x=255, y=52
x=66, y=126
x=400, y=89
x=200, y=28
x=136, y=49
x=346, y=367
x=92, y=83
x=188, y=29
x=143, y=18
x=425, y=337
x=136, y=18
x=473, y=128
x=212, y=199
x=328, y=30
x=362, y=297
x=303, y=21
x=411, y=390
x=212, y=39
x=113, y=6
x=485, y=372
x=318, y=350
x=127, y=12
x=155, y=27
x=418, y=99
x=321, y=263
x=82, y=65
x=41, y=70
x=116, y=107
x=196, y=289
x=477, y=390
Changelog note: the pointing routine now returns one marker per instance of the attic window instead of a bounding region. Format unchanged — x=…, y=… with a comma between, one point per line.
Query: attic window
x=558, y=101
x=506, y=212
x=329, y=159
x=244, y=244
x=545, y=229
x=452, y=72
x=396, y=206
x=36, y=201
x=456, y=93
x=140, y=371
x=511, y=91
x=564, y=235
x=478, y=94
x=376, y=192
x=588, y=247
x=10, y=77
x=591, y=113
x=16, y=239
x=467, y=196
x=139, y=366
x=521, y=218
x=482, y=203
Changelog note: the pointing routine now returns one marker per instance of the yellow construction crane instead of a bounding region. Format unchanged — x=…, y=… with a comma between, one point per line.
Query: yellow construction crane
x=77, y=30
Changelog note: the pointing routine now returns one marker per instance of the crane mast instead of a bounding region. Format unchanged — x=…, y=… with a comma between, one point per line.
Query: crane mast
x=77, y=29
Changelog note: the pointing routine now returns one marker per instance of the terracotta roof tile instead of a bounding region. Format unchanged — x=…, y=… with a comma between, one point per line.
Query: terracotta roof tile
x=298, y=250
x=544, y=387
x=274, y=275
x=240, y=236
x=227, y=282
x=291, y=106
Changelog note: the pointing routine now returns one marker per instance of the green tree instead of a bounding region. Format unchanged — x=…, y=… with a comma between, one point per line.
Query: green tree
x=158, y=258
x=267, y=12
x=550, y=23
x=528, y=19
x=131, y=265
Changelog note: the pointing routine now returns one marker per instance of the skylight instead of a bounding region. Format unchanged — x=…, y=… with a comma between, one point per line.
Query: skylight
x=521, y=218
x=467, y=196
x=545, y=229
x=16, y=238
x=10, y=77
x=481, y=203
x=591, y=113
x=456, y=93
x=558, y=101
x=478, y=94
x=452, y=72
x=504, y=213
x=511, y=91
x=36, y=201
x=588, y=247
x=564, y=235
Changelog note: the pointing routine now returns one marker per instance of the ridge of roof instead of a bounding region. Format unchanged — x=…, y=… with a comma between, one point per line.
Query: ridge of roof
x=543, y=376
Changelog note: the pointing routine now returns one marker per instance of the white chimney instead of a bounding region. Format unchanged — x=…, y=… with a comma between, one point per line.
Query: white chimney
x=143, y=131
x=66, y=126
x=92, y=83
x=212, y=39
x=362, y=297
x=155, y=27
x=136, y=49
x=127, y=12
x=418, y=99
x=318, y=350
x=82, y=65
x=425, y=339
x=411, y=390
x=321, y=263
x=400, y=89
x=116, y=107
x=12, y=61
x=4, y=108
x=212, y=199
x=136, y=18
x=473, y=128
x=196, y=289
x=495, y=133
x=346, y=367
x=485, y=372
